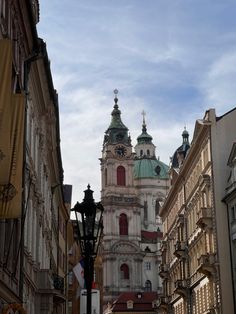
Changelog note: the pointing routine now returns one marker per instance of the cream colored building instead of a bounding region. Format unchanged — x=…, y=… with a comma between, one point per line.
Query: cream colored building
x=230, y=200
x=196, y=264
x=33, y=239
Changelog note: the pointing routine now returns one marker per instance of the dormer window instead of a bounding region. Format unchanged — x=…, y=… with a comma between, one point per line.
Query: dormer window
x=130, y=304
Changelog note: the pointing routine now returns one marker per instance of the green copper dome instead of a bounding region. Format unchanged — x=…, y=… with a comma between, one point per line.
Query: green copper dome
x=150, y=168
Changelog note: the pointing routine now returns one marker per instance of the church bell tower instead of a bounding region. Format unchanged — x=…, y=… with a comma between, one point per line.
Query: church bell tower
x=122, y=255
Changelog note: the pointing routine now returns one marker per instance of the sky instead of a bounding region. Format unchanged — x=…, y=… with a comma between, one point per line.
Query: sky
x=174, y=59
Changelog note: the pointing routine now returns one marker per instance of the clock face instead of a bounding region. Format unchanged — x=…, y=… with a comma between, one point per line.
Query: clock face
x=120, y=151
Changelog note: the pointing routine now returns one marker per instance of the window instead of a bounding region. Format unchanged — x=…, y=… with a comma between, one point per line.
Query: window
x=105, y=176
x=145, y=210
x=123, y=224
x=148, y=152
x=124, y=269
x=157, y=207
x=148, y=285
x=233, y=212
x=120, y=175
x=147, y=265
x=141, y=152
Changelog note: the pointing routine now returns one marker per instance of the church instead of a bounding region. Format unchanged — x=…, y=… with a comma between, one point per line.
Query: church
x=134, y=185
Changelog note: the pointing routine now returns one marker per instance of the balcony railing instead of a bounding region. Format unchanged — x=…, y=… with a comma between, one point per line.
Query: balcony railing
x=164, y=270
x=206, y=264
x=204, y=218
x=180, y=249
x=58, y=283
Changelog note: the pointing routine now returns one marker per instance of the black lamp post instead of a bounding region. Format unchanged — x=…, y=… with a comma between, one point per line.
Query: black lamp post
x=89, y=225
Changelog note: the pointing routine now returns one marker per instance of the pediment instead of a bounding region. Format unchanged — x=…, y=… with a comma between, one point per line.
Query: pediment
x=124, y=247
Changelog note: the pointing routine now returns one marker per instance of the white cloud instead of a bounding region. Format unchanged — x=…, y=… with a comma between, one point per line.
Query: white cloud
x=172, y=59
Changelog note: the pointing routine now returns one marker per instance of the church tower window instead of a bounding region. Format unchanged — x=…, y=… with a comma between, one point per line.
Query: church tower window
x=145, y=209
x=121, y=175
x=148, y=285
x=123, y=224
x=105, y=176
x=124, y=270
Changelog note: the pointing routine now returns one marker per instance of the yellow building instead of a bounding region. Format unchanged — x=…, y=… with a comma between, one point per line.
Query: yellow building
x=196, y=269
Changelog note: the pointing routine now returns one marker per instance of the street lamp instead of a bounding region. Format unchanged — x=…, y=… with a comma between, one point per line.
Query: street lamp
x=89, y=227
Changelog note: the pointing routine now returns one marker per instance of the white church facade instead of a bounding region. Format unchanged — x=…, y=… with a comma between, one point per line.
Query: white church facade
x=134, y=183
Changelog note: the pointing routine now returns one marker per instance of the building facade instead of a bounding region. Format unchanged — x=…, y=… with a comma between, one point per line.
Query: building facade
x=230, y=200
x=33, y=233
x=196, y=268
x=133, y=185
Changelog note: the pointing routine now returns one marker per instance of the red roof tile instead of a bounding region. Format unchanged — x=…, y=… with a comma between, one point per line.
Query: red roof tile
x=144, y=303
x=151, y=235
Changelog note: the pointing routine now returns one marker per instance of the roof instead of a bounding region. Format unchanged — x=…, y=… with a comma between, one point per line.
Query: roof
x=151, y=235
x=181, y=150
x=142, y=301
x=150, y=168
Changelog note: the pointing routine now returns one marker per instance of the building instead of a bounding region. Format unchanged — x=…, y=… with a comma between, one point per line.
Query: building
x=34, y=218
x=196, y=268
x=230, y=200
x=133, y=186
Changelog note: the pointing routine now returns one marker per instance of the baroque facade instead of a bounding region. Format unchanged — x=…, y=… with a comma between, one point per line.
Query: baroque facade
x=196, y=269
x=133, y=186
x=33, y=233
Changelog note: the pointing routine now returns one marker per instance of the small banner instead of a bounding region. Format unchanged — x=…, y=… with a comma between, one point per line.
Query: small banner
x=12, y=111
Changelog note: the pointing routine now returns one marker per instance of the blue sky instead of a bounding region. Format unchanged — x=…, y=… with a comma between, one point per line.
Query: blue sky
x=174, y=59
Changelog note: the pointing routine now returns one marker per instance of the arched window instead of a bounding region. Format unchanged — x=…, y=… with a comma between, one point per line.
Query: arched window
x=124, y=271
x=145, y=210
x=123, y=224
x=106, y=176
x=148, y=285
x=120, y=175
x=157, y=207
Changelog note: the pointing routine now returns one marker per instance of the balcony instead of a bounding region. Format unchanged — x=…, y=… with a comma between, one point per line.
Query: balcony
x=206, y=264
x=180, y=220
x=181, y=287
x=204, y=218
x=163, y=302
x=164, y=270
x=58, y=283
x=180, y=249
x=44, y=281
x=163, y=246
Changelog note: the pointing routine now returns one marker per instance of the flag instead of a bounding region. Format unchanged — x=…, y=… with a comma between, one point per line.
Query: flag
x=79, y=272
x=12, y=112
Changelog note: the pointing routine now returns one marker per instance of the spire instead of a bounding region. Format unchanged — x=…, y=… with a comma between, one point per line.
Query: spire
x=144, y=128
x=144, y=137
x=185, y=136
x=116, y=119
x=117, y=132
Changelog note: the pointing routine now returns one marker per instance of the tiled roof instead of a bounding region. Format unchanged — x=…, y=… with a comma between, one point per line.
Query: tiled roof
x=140, y=304
x=151, y=235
